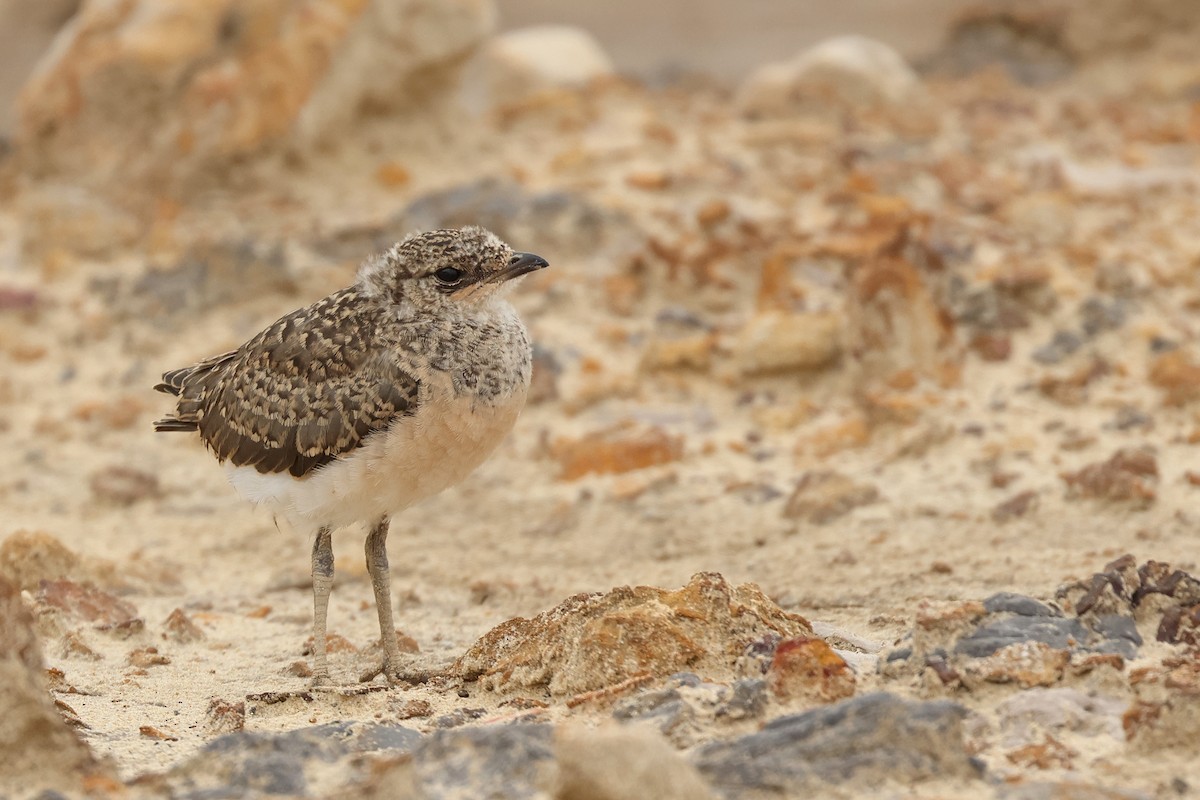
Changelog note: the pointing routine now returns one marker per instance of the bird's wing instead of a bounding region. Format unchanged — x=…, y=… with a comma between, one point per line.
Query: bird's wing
x=307, y=389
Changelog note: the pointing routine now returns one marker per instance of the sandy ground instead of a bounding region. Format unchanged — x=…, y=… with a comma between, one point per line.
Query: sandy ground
x=76, y=405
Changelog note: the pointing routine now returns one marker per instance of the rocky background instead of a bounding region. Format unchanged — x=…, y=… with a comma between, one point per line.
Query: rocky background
x=862, y=451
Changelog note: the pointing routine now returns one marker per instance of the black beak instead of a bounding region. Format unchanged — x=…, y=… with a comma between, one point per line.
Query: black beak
x=522, y=264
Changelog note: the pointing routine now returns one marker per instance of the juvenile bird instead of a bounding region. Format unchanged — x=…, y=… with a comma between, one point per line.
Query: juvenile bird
x=369, y=400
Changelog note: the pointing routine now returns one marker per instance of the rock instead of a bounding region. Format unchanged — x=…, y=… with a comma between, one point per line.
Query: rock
x=1012, y=603
x=615, y=450
x=806, y=668
x=27, y=32
x=88, y=603
x=158, y=91
x=1098, y=316
x=1153, y=592
x=664, y=708
x=611, y=763
x=590, y=642
x=1016, y=506
x=179, y=627
x=40, y=750
x=846, y=72
x=992, y=346
x=747, y=699
x=1027, y=663
x=295, y=763
x=518, y=64
x=686, y=352
x=868, y=740
x=29, y=557
x=1024, y=716
x=510, y=761
x=1127, y=477
x=774, y=341
x=1028, y=45
x=1062, y=345
x=1166, y=713
x=822, y=497
x=225, y=717
x=1011, y=638
x=210, y=274
x=1071, y=388
x=1177, y=375
x=1055, y=631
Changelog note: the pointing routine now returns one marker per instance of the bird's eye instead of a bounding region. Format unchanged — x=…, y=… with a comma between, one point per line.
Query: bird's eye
x=448, y=275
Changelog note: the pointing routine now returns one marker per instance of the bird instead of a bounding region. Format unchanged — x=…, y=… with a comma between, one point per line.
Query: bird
x=374, y=398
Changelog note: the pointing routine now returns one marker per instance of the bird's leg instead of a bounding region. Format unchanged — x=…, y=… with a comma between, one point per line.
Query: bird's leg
x=377, y=566
x=322, y=577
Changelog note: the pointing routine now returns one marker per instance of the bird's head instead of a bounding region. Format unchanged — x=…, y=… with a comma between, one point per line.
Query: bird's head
x=452, y=267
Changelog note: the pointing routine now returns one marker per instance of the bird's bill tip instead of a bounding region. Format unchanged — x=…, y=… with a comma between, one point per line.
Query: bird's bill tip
x=523, y=264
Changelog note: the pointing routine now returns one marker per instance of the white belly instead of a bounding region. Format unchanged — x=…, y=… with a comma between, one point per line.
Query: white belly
x=416, y=458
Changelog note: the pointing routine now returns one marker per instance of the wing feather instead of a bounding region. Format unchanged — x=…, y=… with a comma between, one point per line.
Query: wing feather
x=308, y=389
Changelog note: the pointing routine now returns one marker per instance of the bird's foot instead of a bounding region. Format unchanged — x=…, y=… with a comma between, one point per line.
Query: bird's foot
x=396, y=676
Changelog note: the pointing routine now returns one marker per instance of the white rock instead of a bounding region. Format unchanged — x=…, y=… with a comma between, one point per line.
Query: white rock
x=848, y=71
x=521, y=63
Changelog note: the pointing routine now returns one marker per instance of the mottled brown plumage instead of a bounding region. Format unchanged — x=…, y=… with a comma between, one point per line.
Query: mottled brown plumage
x=307, y=389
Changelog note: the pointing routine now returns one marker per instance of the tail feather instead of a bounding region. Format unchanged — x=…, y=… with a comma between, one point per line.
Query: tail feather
x=176, y=381
x=171, y=424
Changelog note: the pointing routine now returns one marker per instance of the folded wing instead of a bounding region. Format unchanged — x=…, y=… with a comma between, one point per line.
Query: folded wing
x=306, y=390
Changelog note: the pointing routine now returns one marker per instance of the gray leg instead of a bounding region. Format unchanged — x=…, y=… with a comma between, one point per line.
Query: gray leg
x=322, y=575
x=377, y=566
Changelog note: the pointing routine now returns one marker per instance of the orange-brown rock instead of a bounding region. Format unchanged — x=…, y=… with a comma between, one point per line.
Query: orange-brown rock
x=806, y=668
x=622, y=448
x=1026, y=664
x=163, y=89
x=86, y=602
x=1128, y=476
x=592, y=641
x=179, y=627
x=29, y=557
x=1178, y=376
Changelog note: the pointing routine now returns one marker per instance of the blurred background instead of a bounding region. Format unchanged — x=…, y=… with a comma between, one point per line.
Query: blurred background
x=872, y=304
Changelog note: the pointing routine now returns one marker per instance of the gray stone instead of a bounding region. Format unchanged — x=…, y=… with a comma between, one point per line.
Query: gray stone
x=1098, y=316
x=1120, y=635
x=459, y=716
x=509, y=761
x=746, y=698
x=666, y=709
x=279, y=764
x=1018, y=604
x=1062, y=345
x=867, y=739
x=1059, y=633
